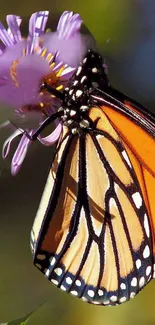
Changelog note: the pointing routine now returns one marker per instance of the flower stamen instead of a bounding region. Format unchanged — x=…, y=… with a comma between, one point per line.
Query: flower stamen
x=43, y=53
x=52, y=65
x=36, y=48
x=60, y=71
x=59, y=87
x=13, y=72
x=24, y=51
x=49, y=56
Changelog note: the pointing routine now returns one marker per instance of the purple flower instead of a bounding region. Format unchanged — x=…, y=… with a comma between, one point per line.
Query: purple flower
x=67, y=39
x=26, y=63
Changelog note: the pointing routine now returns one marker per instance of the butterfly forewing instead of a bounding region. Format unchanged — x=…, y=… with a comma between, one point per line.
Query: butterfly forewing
x=92, y=232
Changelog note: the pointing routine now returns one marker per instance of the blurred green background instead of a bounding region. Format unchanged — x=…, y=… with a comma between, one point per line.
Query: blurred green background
x=125, y=32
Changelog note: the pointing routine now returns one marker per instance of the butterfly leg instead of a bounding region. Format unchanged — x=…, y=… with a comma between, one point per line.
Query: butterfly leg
x=42, y=126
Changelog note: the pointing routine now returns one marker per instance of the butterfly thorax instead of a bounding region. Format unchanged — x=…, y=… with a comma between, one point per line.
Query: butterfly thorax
x=90, y=74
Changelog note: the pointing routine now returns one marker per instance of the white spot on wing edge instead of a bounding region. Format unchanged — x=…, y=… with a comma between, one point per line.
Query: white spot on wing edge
x=146, y=225
x=148, y=270
x=58, y=271
x=96, y=302
x=113, y=298
x=132, y=295
x=84, y=298
x=141, y=282
x=47, y=273
x=123, y=286
x=106, y=302
x=69, y=280
x=138, y=263
x=54, y=282
x=100, y=292
x=62, y=287
x=52, y=260
x=137, y=199
x=78, y=283
x=124, y=154
x=112, y=202
x=99, y=136
x=134, y=282
x=123, y=299
x=146, y=251
x=74, y=293
x=91, y=293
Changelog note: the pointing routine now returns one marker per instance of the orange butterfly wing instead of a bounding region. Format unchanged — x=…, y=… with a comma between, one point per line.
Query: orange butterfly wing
x=140, y=147
x=92, y=235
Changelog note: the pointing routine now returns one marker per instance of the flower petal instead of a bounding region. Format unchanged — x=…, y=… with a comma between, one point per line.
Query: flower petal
x=66, y=37
x=68, y=25
x=63, y=21
x=53, y=137
x=67, y=72
x=76, y=45
x=8, y=141
x=14, y=31
x=23, y=87
x=20, y=154
x=37, y=23
x=4, y=36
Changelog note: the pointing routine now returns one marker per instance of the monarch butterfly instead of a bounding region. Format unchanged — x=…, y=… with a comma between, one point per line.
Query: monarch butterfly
x=93, y=235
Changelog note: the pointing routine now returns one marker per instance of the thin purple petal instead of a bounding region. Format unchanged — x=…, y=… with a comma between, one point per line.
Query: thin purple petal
x=37, y=23
x=8, y=141
x=53, y=137
x=20, y=154
x=14, y=31
x=58, y=66
x=4, y=36
x=68, y=25
x=63, y=21
x=74, y=25
x=68, y=72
